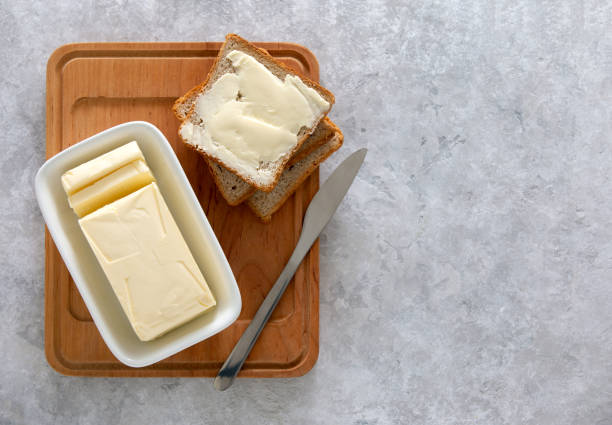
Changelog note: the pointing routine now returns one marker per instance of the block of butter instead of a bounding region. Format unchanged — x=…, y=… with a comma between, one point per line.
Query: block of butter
x=139, y=246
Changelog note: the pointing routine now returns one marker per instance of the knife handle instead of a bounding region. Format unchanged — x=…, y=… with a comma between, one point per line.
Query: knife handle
x=243, y=347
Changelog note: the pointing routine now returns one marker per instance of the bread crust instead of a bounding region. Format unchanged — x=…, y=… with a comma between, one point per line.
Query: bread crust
x=235, y=42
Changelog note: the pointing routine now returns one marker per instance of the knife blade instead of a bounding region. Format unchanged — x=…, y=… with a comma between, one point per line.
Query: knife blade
x=318, y=214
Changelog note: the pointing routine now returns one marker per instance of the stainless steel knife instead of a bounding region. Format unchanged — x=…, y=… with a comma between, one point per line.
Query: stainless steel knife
x=318, y=214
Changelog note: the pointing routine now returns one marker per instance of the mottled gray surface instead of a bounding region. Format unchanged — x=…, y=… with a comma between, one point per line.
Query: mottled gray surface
x=467, y=277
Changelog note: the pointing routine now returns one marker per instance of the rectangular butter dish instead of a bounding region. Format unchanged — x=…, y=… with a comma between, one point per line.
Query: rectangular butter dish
x=87, y=274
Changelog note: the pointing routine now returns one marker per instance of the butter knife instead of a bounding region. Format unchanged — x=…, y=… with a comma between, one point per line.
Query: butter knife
x=318, y=214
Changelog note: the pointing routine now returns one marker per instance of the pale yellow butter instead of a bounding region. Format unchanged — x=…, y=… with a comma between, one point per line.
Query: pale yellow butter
x=137, y=242
x=117, y=184
x=250, y=116
x=92, y=171
x=147, y=262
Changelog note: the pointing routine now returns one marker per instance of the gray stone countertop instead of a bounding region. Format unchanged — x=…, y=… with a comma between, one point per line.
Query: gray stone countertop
x=467, y=277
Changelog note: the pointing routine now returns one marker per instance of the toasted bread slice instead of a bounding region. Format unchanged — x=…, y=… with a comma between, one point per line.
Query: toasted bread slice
x=235, y=190
x=264, y=204
x=267, y=174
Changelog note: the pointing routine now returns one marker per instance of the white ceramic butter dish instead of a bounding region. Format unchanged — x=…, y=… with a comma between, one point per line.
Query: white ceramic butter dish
x=87, y=274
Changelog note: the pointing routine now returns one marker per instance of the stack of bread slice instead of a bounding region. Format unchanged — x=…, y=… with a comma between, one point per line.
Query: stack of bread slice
x=266, y=188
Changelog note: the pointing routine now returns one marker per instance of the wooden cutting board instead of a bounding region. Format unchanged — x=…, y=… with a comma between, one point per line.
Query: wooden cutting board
x=94, y=86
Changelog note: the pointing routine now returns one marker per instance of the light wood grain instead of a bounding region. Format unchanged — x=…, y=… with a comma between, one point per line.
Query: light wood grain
x=93, y=86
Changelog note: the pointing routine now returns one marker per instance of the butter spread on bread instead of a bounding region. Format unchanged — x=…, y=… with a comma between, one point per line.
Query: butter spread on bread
x=250, y=117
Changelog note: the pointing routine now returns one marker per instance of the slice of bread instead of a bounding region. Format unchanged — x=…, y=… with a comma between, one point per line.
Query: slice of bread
x=268, y=173
x=235, y=190
x=264, y=204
